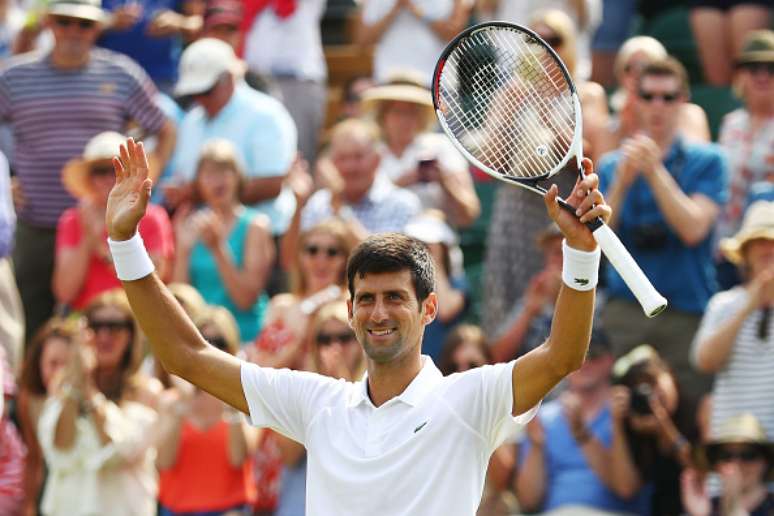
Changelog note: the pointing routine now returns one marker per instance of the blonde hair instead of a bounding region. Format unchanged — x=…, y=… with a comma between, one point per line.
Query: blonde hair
x=649, y=46
x=224, y=155
x=224, y=322
x=332, y=227
x=564, y=27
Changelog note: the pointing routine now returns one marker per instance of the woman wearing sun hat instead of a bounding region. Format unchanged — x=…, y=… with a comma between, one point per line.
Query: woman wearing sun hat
x=82, y=265
x=415, y=158
x=747, y=134
x=743, y=457
x=736, y=337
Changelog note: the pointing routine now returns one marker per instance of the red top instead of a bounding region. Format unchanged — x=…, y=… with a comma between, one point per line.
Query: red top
x=156, y=232
x=203, y=479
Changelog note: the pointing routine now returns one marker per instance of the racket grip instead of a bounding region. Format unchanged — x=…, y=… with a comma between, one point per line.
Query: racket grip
x=651, y=301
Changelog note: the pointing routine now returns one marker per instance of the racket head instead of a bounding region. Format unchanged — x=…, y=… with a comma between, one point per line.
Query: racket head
x=508, y=103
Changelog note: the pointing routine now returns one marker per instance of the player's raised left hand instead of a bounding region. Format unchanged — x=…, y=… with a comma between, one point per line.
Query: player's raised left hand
x=129, y=197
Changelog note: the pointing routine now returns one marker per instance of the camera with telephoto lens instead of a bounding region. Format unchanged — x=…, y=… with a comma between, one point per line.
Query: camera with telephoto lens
x=649, y=237
x=640, y=398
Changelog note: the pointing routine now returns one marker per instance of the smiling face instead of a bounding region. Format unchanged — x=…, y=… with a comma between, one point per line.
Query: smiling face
x=659, y=100
x=387, y=317
x=111, y=335
x=217, y=184
x=55, y=354
x=322, y=260
x=355, y=157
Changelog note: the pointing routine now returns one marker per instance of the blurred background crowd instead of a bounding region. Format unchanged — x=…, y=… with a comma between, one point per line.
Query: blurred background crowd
x=282, y=132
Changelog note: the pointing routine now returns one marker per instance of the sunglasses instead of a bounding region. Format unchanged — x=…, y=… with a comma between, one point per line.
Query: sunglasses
x=101, y=170
x=330, y=252
x=754, y=68
x=78, y=22
x=218, y=342
x=742, y=455
x=325, y=339
x=666, y=97
x=111, y=326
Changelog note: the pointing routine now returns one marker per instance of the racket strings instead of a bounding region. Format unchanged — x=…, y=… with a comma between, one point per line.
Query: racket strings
x=506, y=100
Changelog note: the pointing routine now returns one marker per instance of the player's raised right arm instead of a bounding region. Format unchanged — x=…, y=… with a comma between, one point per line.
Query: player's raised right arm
x=173, y=337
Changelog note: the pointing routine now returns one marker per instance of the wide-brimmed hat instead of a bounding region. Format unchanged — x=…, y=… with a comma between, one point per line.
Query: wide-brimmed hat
x=400, y=88
x=75, y=174
x=758, y=223
x=203, y=62
x=742, y=429
x=85, y=9
x=758, y=47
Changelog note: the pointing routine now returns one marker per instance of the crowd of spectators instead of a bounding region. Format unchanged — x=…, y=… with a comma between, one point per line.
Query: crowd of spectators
x=262, y=186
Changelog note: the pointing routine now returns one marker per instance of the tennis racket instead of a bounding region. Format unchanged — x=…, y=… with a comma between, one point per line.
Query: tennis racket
x=507, y=102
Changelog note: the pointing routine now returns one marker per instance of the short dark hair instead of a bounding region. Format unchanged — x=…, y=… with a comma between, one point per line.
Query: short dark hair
x=666, y=67
x=393, y=252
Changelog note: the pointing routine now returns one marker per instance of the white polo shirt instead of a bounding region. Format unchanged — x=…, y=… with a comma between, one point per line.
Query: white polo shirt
x=424, y=452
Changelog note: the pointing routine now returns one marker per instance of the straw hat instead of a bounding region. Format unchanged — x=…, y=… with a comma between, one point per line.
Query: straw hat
x=758, y=223
x=75, y=174
x=400, y=88
x=742, y=429
x=758, y=47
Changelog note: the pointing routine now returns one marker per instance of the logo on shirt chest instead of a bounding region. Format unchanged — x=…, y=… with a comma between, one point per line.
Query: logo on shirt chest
x=107, y=88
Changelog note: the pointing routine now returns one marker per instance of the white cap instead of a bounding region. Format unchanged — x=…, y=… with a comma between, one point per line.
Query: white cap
x=202, y=64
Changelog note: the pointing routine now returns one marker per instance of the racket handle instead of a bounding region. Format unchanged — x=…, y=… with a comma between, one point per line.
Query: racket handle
x=651, y=301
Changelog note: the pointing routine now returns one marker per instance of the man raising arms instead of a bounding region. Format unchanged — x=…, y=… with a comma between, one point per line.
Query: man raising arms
x=405, y=440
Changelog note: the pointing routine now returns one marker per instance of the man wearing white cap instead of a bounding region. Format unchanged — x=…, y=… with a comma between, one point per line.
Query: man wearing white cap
x=55, y=102
x=257, y=124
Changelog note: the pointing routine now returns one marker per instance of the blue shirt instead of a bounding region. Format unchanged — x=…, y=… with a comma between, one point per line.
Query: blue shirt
x=570, y=480
x=684, y=275
x=264, y=134
x=205, y=277
x=175, y=113
x=158, y=56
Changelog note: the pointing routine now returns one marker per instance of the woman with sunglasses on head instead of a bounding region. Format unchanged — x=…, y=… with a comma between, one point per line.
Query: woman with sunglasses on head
x=333, y=351
x=743, y=457
x=747, y=134
x=82, y=265
x=203, y=445
x=96, y=431
x=224, y=249
x=47, y=354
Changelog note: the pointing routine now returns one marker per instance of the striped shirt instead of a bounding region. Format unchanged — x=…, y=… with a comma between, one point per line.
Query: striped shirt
x=746, y=383
x=54, y=113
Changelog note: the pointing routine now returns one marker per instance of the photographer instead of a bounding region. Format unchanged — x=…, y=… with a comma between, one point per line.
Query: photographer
x=647, y=446
x=666, y=194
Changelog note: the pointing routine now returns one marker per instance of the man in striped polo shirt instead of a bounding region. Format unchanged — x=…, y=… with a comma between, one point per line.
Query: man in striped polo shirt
x=55, y=103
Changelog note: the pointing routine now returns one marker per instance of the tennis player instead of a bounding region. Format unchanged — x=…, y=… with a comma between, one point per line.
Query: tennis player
x=404, y=440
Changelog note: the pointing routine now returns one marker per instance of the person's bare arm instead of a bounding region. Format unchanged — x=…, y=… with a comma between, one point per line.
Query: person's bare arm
x=625, y=480
x=258, y=189
x=537, y=372
x=370, y=34
x=712, y=352
x=530, y=482
x=165, y=144
x=449, y=27
x=693, y=123
x=290, y=450
x=245, y=284
x=462, y=201
x=173, y=337
x=71, y=265
x=690, y=216
x=238, y=442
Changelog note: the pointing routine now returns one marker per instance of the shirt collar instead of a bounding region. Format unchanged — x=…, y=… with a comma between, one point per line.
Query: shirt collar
x=427, y=378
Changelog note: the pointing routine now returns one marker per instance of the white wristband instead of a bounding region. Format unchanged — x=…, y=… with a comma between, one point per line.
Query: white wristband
x=130, y=258
x=580, y=269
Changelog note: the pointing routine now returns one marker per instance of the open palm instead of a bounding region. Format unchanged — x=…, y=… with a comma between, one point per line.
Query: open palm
x=129, y=197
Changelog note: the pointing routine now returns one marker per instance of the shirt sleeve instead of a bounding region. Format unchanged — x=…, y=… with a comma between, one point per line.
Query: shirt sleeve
x=156, y=231
x=68, y=230
x=712, y=176
x=721, y=307
x=273, y=144
x=487, y=403
x=141, y=104
x=285, y=400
